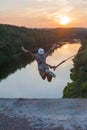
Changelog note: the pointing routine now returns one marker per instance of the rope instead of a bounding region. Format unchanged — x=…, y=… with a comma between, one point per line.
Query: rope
x=54, y=67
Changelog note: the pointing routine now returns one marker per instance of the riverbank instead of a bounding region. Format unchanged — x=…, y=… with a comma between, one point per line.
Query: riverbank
x=43, y=114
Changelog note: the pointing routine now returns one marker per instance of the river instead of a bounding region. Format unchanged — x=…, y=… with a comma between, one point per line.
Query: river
x=27, y=83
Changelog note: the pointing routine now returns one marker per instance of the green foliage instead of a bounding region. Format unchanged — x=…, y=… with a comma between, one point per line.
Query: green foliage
x=78, y=88
x=83, y=88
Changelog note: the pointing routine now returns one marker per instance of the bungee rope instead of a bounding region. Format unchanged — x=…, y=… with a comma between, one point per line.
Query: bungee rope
x=55, y=67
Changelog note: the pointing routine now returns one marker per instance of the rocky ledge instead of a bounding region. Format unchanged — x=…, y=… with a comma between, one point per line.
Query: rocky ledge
x=43, y=114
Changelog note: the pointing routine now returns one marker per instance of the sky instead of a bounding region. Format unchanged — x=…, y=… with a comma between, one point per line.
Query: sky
x=43, y=13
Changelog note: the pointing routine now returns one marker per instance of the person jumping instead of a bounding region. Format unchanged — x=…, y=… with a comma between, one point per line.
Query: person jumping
x=43, y=67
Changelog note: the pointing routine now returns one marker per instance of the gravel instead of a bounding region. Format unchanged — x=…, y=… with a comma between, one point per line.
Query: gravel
x=43, y=114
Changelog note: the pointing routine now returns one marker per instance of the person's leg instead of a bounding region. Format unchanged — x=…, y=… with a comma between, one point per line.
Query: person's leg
x=42, y=74
x=49, y=77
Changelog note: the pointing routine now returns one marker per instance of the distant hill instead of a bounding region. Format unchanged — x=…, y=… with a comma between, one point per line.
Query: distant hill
x=78, y=87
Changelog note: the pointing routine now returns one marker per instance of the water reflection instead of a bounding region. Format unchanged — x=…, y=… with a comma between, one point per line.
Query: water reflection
x=27, y=83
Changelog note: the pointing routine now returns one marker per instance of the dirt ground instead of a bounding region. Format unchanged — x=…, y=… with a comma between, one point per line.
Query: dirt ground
x=43, y=114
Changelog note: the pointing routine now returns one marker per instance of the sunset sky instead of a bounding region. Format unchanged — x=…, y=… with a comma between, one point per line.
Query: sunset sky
x=44, y=13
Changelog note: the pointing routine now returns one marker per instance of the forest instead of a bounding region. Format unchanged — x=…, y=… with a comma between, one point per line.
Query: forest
x=13, y=37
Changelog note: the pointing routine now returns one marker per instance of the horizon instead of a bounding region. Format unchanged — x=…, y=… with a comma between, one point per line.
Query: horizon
x=44, y=27
x=44, y=13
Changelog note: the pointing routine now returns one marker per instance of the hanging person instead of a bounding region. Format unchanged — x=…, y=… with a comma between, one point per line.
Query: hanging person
x=43, y=67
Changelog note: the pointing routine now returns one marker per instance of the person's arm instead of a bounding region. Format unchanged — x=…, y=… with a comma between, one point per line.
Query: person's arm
x=51, y=49
x=28, y=52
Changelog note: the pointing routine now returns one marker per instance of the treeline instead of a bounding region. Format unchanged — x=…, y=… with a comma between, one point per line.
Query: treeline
x=78, y=87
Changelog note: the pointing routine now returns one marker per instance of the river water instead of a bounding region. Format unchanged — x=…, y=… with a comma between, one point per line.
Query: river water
x=27, y=83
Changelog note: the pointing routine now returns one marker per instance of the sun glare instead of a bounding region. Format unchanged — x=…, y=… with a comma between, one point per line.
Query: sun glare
x=64, y=20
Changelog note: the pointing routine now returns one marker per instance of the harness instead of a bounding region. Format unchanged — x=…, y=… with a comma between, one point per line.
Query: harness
x=41, y=60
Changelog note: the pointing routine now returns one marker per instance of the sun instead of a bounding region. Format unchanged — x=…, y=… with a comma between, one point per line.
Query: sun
x=64, y=20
